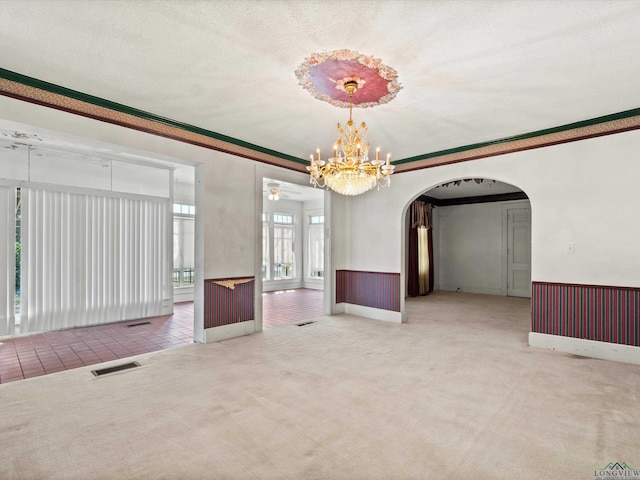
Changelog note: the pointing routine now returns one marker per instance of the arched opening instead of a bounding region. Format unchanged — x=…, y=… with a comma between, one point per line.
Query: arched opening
x=469, y=236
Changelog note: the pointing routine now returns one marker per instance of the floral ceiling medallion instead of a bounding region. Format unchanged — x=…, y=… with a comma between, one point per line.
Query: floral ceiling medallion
x=324, y=75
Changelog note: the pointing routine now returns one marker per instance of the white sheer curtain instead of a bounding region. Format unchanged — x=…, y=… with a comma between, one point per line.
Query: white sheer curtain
x=316, y=250
x=7, y=259
x=183, y=245
x=90, y=259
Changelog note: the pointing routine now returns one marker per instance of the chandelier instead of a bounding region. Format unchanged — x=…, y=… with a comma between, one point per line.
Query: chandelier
x=349, y=171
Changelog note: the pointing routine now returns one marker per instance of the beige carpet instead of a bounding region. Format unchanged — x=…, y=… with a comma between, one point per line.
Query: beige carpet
x=456, y=393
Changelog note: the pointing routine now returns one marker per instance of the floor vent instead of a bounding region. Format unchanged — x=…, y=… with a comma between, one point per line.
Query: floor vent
x=137, y=324
x=304, y=323
x=117, y=368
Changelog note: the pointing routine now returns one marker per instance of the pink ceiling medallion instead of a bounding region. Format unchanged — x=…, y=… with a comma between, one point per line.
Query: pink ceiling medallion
x=324, y=75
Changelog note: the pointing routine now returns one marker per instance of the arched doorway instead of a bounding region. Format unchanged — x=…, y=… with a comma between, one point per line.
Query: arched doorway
x=479, y=239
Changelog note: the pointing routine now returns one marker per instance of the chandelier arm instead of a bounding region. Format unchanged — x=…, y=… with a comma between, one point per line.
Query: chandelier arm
x=350, y=172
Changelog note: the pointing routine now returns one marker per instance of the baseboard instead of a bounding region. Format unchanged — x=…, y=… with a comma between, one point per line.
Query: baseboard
x=183, y=295
x=225, y=332
x=374, y=313
x=586, y=348
x=313, y=284
x=467, y=289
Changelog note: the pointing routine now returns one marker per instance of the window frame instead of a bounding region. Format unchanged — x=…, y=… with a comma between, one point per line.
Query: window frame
x=183, y=211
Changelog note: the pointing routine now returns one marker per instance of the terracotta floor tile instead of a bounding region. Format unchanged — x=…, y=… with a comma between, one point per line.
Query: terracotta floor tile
x=73, y=348
x=87, y=356
x=30, y=366
x=49, y=363
x=55, y=369
x=74, y=364
x=108, y=356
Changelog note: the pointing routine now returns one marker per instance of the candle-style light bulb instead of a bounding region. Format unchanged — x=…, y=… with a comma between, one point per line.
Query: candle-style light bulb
x=388, y=159
x=378, y=153
x=318, y=152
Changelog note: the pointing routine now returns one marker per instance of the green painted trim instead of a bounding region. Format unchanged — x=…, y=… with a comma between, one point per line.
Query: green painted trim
x=118, y=107
x=538, y=133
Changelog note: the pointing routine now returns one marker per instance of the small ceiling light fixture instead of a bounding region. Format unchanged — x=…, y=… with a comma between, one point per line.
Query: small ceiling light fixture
x=274, y=191
x=349, y=171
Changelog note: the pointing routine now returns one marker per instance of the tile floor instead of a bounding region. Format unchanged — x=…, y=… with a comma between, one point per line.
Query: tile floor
x=289, y=306
x=42, y=353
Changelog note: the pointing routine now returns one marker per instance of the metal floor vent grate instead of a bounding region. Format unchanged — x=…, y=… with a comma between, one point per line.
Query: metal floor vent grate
x=137, y=324
x=304, y=323
x=116, y=368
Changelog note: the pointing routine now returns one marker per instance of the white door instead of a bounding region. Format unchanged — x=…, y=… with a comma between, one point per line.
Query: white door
x=519, y=252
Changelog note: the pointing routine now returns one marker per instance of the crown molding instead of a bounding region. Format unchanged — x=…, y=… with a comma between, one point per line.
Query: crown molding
x=47, y=94
x=32, y=90
x=572, y=132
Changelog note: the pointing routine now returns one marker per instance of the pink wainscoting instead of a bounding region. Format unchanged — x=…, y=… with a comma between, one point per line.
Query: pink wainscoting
x=225, y=306
x=370, y=289
x=592, y=312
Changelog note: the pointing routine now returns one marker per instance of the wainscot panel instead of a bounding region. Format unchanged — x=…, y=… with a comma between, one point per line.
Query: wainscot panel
x=228, y=301
x=592, y=312
x=370, y=289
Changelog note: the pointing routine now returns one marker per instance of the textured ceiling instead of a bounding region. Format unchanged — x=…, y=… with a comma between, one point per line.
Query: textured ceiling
x=471, y=71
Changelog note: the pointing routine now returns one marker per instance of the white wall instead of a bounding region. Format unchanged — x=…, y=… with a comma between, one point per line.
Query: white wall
x=183, y=185
x=471, y=248
x=229, y=217
x=471, y=255
x=582, y=193
x=337, y=239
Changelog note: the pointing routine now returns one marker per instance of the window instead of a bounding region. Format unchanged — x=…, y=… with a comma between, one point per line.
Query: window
x=183, y=244
x=283, y=255
x=181, y=209
x=284, y=219
x=316, y=246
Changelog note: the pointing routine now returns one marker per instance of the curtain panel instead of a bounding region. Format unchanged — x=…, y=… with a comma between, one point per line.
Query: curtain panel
x=420, y=254
x=90, y=259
